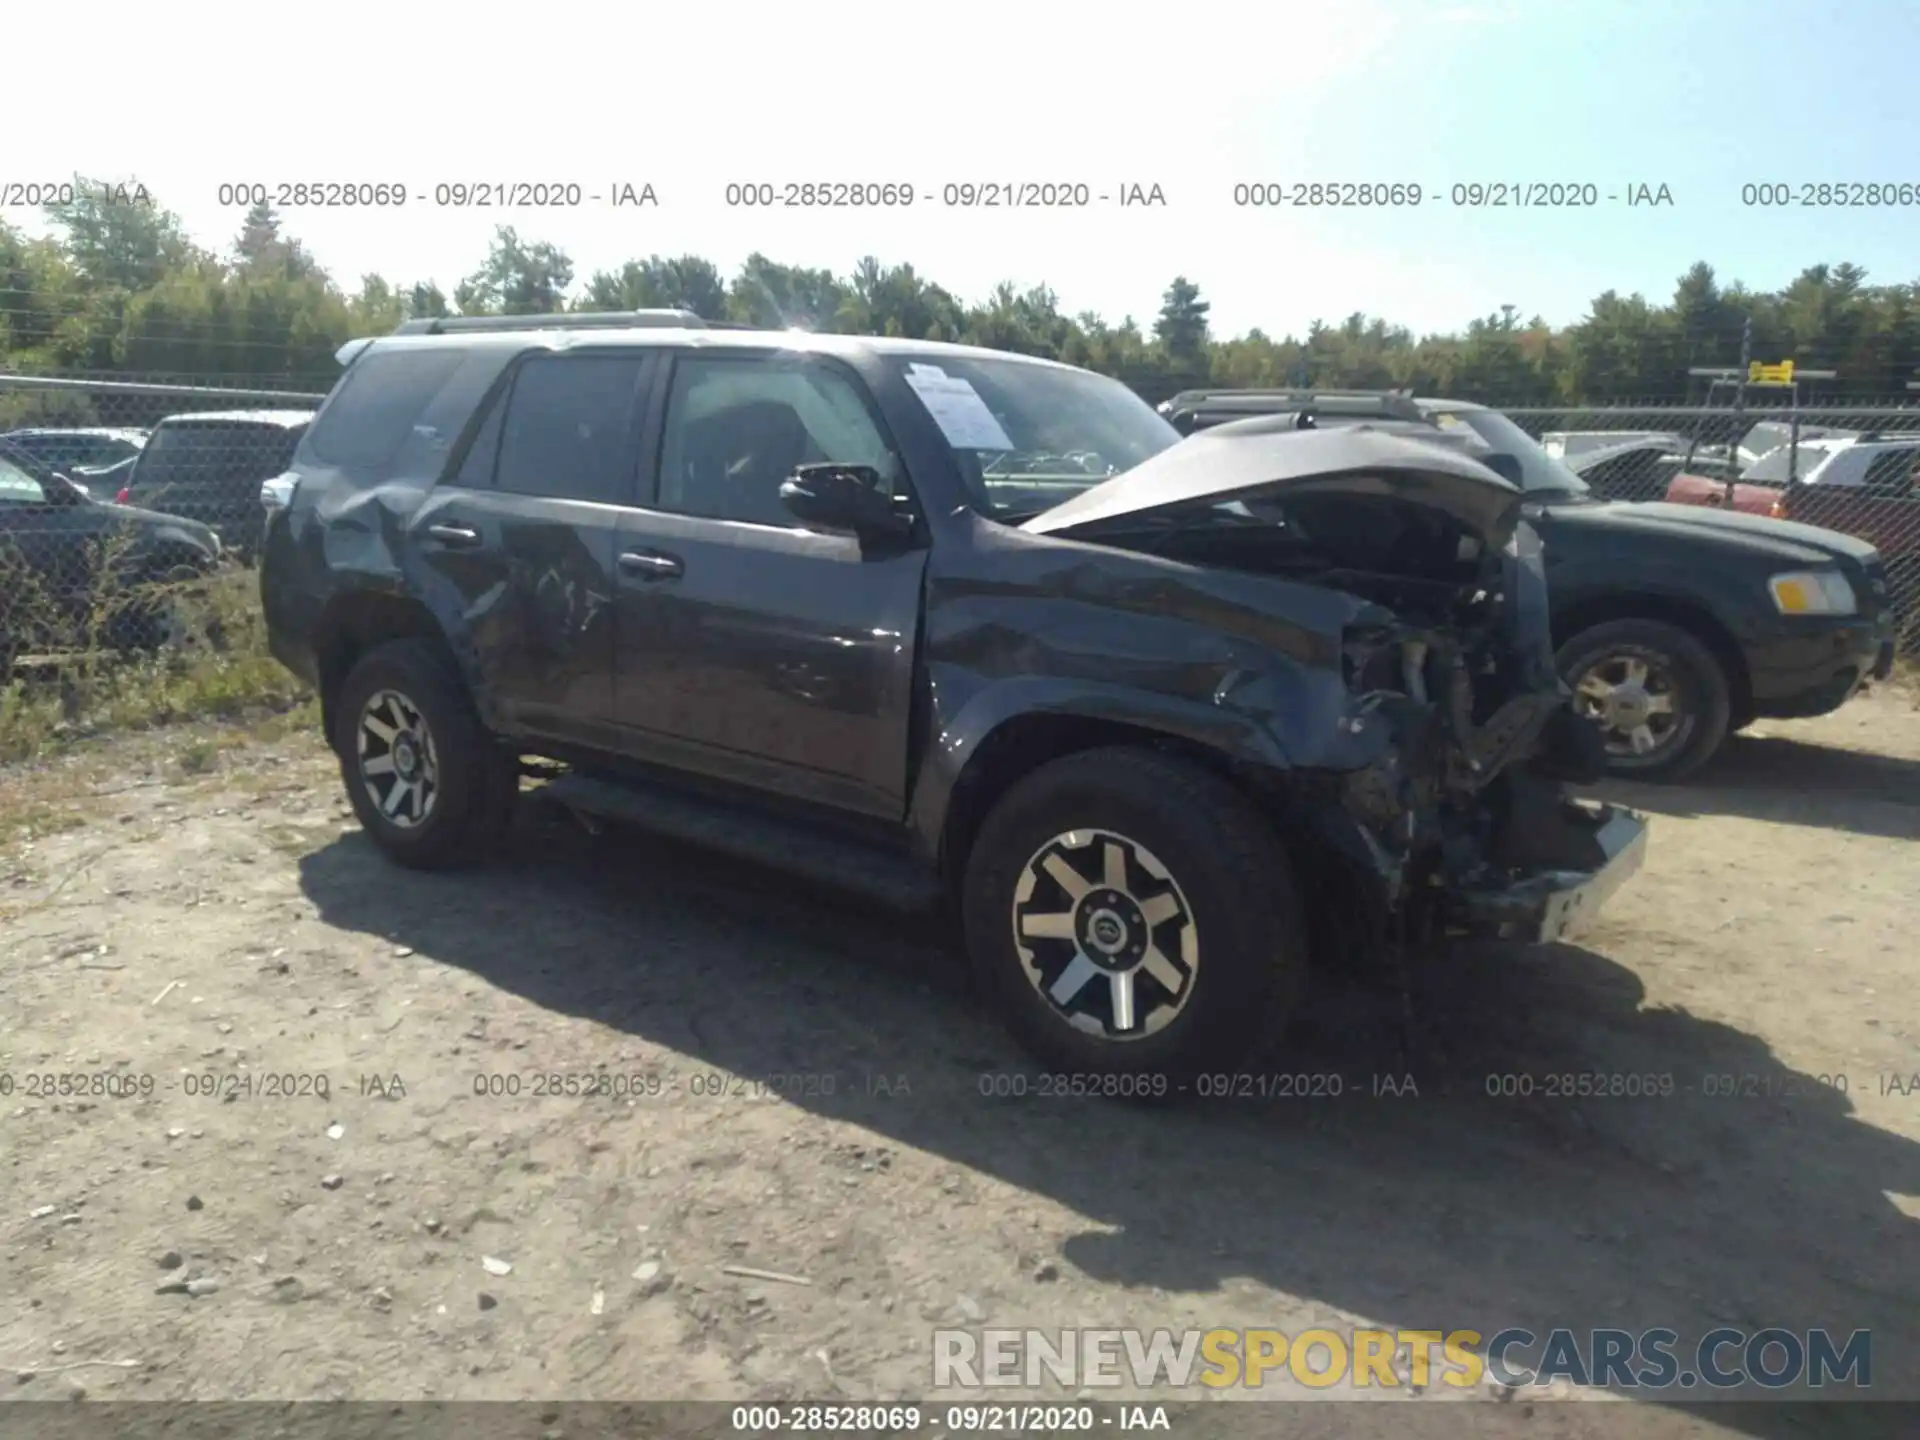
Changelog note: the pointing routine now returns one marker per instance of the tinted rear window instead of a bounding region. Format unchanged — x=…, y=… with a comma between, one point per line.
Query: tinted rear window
x=380, y=402
x=215, y=452
x=568, y=428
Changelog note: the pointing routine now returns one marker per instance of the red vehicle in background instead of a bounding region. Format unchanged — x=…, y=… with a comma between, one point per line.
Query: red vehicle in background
x=1861, y=485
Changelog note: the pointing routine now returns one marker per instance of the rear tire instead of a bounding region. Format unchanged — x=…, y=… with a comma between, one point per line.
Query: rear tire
x=1136, y=919
x=433, y=789
x=1617, y=666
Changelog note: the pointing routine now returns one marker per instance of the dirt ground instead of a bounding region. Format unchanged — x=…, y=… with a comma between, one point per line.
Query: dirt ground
x=805, y=1087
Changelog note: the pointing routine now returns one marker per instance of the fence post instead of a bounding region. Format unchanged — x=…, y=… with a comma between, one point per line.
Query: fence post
x=1739, y=406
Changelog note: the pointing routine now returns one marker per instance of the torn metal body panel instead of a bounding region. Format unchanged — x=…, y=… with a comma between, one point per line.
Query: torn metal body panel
x=1357, y=619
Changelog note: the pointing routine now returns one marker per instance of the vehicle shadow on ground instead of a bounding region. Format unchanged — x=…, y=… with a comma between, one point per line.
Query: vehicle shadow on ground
x=1793, y=782
x=1749, y=1196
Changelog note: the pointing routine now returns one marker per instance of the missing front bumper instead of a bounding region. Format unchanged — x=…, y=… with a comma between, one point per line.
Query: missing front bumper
x=1544, y=907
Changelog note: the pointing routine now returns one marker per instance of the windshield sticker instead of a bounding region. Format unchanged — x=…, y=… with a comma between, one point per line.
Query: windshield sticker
x=956, y=407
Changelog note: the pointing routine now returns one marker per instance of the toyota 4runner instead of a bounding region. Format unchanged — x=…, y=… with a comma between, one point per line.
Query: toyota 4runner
x=1154, y=720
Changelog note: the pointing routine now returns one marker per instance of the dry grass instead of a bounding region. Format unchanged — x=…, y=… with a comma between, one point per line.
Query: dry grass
x=217, y=667
x=215, y=679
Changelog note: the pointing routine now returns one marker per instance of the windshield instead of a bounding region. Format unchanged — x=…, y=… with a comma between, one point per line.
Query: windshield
x=1539, y=472
x=1802, y=460
x=1770, y=436
x=1027, y=436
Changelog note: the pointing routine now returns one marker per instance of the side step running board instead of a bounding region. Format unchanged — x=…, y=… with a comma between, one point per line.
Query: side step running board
x=894, y=881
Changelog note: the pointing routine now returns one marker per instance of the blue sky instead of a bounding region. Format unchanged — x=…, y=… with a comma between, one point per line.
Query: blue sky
x=1700, y=97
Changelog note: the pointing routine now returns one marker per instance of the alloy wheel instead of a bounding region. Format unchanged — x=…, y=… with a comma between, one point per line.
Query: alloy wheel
x=1636, y=698
x=399, y=766
x=1105, y=935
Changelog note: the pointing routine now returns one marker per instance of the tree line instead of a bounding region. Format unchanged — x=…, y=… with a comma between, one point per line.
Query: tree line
x=120, y=288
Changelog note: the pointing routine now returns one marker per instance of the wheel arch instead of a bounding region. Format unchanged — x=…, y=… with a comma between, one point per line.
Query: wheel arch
x=358, y=621
x=1020, y=743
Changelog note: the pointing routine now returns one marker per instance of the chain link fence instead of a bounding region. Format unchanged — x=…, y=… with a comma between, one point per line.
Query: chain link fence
x=1851, y=468
x=122, y=503
x=181, y=466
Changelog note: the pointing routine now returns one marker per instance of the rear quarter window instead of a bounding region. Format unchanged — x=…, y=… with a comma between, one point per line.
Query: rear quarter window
x=392, y=401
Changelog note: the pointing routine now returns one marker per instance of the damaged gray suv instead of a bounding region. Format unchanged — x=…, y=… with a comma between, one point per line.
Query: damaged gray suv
x=1157, y=721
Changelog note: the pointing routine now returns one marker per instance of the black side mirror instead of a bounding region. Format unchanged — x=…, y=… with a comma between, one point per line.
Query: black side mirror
x=844, y=497
x=66, y=491
x=1507, y=467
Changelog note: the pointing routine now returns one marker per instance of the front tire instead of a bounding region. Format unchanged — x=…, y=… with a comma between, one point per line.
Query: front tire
x=1135, y=917
x=431, y=787
x=1660, y=697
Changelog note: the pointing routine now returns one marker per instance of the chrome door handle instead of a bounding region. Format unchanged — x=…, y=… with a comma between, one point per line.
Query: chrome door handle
x=651, y=564
x=454, y=534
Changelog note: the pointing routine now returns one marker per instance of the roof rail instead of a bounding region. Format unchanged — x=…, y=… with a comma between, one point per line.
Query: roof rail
x=1283, y=392
x=578, y=320
x=1394, y=404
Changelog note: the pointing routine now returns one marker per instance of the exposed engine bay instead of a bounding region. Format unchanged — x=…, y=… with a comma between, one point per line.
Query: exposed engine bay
x=1453, y=662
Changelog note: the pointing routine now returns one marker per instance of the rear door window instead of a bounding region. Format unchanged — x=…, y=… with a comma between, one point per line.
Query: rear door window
x=569, y=429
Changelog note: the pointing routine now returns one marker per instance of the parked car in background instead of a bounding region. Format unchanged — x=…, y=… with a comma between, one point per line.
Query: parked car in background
x=1673, y=624
x=106, y=481
x=72, y=564
x=1638, y=469
x=1767, y=436
x=208, y=467
x=1570, y=445
x=65, y=451
x=1148, y=722
x=1868, y=465
x=1862, y=485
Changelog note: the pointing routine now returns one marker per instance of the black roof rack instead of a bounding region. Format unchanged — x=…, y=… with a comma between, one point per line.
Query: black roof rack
x=582, y=320
x=1388, y=404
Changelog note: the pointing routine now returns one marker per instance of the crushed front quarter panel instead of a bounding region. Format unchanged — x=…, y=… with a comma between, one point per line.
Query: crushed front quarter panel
x=1019, y=625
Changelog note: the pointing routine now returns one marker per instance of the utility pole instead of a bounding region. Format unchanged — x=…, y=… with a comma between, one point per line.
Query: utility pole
x=1739, y=406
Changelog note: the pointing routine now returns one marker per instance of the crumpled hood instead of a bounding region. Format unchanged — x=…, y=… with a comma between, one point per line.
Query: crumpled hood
x=1225, y=465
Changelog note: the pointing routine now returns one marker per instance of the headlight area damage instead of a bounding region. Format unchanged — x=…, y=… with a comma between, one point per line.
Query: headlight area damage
x=1443, y=803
